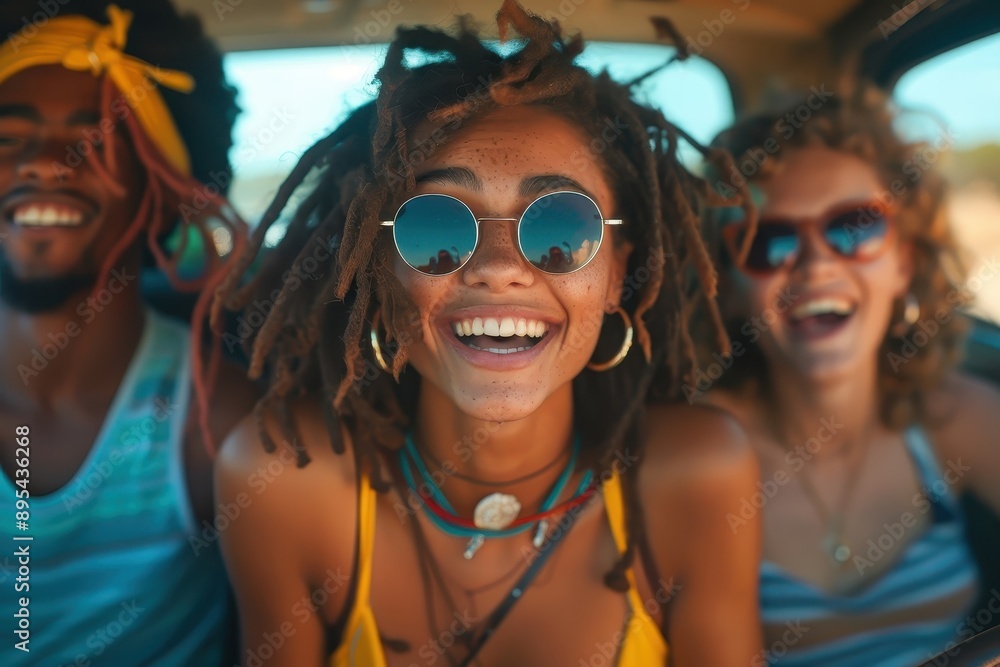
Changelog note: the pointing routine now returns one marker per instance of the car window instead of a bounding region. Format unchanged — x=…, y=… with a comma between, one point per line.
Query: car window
x=291, y=98
x=955, y=97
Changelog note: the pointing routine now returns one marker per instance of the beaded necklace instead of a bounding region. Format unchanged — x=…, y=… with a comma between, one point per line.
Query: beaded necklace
x=496, y=514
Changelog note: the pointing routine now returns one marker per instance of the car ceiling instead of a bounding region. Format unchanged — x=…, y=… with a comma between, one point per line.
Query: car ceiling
x=757, y=37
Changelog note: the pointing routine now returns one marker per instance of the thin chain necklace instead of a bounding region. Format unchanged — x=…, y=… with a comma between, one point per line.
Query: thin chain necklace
x=833, y=543
x=485, y=482
x=430, y=566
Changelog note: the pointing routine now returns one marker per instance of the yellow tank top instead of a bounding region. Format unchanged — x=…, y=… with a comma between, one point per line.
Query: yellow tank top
x=361, y=647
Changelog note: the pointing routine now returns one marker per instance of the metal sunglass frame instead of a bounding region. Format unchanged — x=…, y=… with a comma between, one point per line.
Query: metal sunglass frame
x=518, y=220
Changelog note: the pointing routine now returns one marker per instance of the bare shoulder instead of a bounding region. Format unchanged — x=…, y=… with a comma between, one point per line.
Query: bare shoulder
x=964, y=418
x=698, y=468
x=311, y=505
x=696, y=447
x=289, y=530
x=961, y=408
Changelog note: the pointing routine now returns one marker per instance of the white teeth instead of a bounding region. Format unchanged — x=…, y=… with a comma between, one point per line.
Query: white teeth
x=504, y=327
x=34, y=215
x=835, y=305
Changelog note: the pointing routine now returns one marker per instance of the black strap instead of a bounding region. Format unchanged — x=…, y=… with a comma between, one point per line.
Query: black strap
x=517, y=592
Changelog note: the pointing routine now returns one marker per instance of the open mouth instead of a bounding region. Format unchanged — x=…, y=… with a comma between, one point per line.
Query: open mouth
x=822, y=315
x=506, y=335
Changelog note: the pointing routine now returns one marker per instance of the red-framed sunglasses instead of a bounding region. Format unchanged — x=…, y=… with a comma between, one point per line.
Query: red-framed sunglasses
x=859, y=231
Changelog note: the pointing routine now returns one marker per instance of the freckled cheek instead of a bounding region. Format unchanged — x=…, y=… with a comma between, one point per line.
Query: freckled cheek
x=431, y=296
x=583, y=295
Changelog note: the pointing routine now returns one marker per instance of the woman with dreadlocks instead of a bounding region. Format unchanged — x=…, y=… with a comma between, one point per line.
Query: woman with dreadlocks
x=842, y=300
x=483, y=498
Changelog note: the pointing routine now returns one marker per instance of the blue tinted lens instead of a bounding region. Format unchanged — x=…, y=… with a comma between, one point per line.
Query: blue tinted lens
x=561, y=232
x=435, y=234
x=857, y=233
x=772, y=246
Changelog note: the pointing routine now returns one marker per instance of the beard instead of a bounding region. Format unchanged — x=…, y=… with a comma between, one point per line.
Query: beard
x=35, y=296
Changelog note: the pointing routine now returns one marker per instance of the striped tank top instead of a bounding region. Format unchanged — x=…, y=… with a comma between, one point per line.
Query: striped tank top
x=906, y=616
x=114, y=578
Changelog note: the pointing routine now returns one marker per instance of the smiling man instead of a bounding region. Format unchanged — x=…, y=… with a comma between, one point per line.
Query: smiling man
x=110, y=125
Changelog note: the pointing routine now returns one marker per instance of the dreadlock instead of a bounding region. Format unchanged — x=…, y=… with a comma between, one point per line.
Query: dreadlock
x=162, y=37
x=371, y=160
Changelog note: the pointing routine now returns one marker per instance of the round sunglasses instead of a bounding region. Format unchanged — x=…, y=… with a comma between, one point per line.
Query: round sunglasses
x=859, y=231
x=559, y=233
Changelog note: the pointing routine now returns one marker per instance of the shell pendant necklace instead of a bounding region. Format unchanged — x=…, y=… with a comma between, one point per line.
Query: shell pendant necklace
x=495, y=515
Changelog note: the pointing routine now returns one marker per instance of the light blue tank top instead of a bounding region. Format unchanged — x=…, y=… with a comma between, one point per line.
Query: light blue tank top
x=114, y=578
x=903, y=618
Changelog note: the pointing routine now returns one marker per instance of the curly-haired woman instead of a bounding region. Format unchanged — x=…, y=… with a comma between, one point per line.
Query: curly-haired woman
x=842, y=311
x=461, y=475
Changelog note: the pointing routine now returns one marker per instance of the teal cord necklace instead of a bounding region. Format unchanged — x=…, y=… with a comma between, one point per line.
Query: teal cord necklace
x=495, y=512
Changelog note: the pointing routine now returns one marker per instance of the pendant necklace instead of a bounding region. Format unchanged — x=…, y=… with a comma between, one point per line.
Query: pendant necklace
x=495, y=515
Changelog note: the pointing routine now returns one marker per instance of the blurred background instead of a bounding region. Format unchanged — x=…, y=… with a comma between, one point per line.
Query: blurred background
x=301, y=65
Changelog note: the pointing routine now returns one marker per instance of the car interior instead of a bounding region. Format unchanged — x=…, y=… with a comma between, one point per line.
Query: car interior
x=939, y=59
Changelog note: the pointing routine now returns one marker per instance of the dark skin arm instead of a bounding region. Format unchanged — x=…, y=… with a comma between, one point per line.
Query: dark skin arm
x=698, y=468
x=286, y=541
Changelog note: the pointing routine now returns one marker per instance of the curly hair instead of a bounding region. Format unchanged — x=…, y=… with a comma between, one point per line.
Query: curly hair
x=861, y=122
x=311, y=339
x=162, y=37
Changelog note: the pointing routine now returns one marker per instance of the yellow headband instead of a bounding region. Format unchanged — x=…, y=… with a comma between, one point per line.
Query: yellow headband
x=79, y=44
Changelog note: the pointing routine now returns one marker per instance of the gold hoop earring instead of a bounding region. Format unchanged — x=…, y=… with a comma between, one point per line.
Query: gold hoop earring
x=911, y=313
x=622, y=351
x=376, y=347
